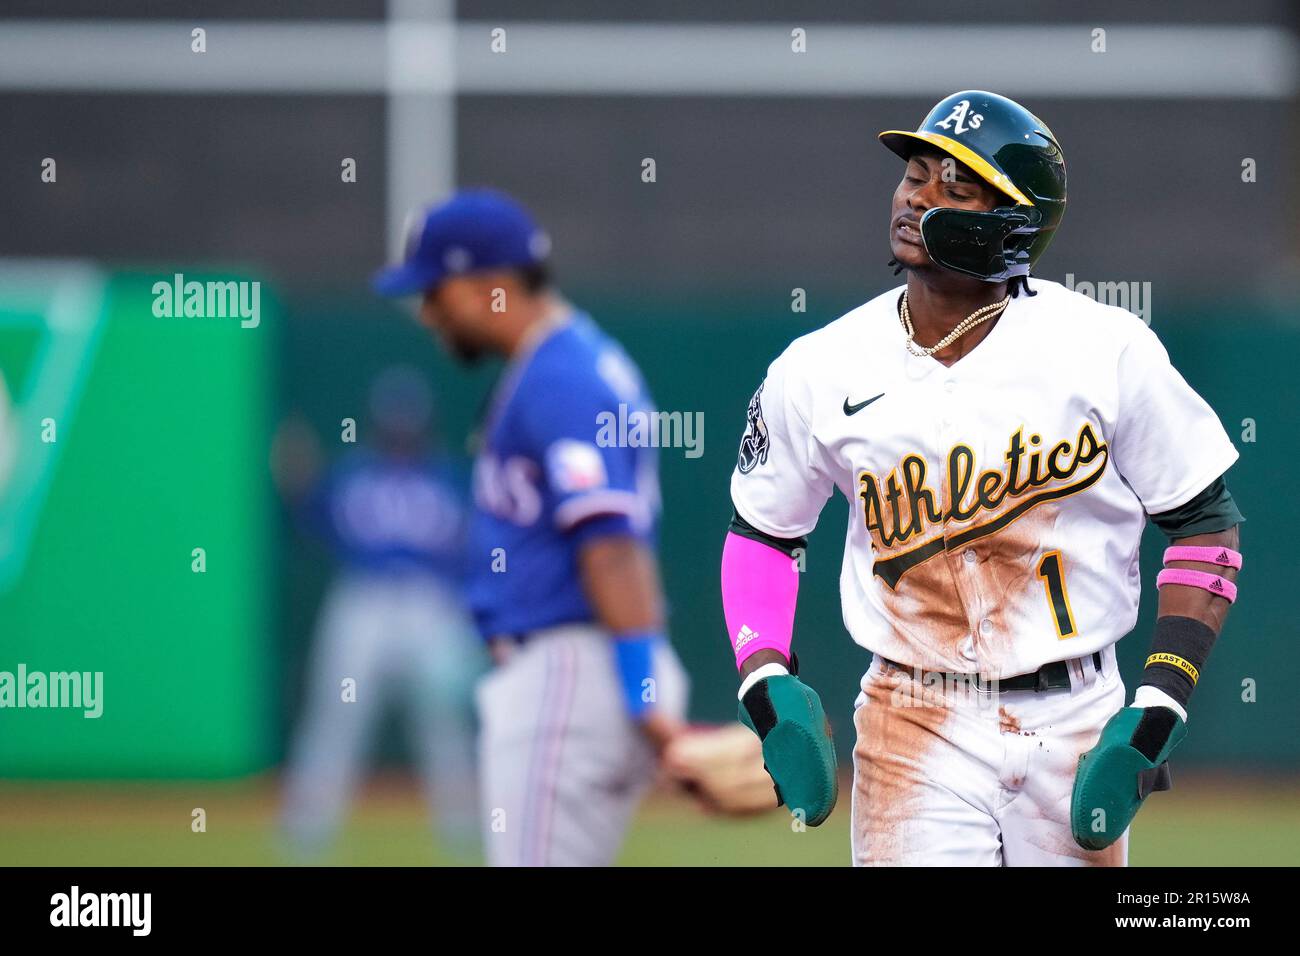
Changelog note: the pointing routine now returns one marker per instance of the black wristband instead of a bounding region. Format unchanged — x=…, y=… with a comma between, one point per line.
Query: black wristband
x=1179, y=650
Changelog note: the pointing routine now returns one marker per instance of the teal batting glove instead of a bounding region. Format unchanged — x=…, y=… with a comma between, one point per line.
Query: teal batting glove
x=798, y=751
x=1128, y=764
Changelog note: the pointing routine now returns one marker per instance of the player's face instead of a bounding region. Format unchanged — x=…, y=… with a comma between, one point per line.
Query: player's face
x=457, y=312
x=932, y=179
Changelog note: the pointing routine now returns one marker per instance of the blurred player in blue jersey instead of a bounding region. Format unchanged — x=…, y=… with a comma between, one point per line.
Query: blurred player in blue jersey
x=562, y=574
x=393, y=630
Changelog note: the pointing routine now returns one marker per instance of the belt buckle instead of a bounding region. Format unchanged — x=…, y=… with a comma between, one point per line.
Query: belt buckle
x=1043, y=679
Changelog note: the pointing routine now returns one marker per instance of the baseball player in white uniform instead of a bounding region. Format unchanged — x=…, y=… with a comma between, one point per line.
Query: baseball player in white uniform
x=1001, y=442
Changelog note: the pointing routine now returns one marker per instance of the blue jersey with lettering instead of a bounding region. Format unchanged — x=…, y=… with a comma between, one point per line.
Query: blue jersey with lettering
x=389, y=515
x=557, y=451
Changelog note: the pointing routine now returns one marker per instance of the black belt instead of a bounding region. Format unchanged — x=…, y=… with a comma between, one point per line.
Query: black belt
x=1048, y=677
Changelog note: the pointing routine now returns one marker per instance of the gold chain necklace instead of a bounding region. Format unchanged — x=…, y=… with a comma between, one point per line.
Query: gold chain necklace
x=962, y=327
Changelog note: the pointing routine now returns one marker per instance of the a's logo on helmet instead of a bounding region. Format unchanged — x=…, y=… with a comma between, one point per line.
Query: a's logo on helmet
x=964, y=119
x=753, y=446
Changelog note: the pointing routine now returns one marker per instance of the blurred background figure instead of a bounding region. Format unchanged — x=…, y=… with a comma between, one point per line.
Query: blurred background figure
x=588, y=691
x=392, y=629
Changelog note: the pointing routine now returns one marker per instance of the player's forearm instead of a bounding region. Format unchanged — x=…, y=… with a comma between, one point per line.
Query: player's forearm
x=760, y=658
x=1195, y=596
x=621, y=581
x=760, y=587
x=1194, y=602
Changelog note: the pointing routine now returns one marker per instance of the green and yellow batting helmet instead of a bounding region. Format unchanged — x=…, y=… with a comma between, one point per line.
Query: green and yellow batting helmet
x=1013, y=151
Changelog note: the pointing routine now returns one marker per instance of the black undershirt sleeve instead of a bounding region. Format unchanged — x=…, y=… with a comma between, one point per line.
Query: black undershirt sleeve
x=1211, y=510
x=786, y=546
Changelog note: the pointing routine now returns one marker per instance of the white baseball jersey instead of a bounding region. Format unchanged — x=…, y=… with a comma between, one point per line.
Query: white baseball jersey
x=996, y=506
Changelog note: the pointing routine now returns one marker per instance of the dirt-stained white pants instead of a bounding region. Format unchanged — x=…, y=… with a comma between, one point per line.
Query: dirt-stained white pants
x=562, y=765
x=945, y=776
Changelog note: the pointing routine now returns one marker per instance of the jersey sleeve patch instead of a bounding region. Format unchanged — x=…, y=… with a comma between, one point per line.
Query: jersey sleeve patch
x=574, y=467
x=754, y=444
x=781, y=480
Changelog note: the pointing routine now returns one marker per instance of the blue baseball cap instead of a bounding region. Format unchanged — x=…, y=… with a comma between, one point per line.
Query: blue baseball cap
x=473, y=231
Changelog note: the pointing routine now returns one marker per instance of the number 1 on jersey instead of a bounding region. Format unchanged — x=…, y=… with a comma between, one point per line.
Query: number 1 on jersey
x=1050, y=570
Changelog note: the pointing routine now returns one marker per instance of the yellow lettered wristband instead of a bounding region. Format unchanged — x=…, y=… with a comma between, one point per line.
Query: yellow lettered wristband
x=1173, y=660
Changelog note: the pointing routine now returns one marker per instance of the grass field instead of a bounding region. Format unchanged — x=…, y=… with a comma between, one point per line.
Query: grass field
x=1204, y=821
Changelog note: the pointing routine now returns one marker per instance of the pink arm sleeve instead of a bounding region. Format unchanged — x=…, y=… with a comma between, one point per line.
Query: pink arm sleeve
x=759, y=588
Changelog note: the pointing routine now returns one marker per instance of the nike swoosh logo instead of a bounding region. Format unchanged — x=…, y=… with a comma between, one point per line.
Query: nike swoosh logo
x=854, y=409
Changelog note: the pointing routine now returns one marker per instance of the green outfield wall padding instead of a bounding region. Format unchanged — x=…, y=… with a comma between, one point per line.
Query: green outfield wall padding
x=162, y=451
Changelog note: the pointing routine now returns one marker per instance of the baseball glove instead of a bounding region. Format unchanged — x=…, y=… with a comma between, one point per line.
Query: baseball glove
x=1129, y=763
x=722, y=767
x=788, y=717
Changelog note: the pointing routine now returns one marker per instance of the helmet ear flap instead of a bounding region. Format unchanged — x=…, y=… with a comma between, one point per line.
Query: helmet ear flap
x=985, y=245
x=1022, y=237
